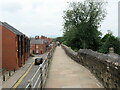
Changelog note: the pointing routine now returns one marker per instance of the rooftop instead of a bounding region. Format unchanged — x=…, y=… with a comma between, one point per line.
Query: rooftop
x=11, y=28
x=36, y=41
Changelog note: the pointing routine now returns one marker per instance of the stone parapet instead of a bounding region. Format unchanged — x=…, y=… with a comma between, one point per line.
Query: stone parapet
x=106, y=67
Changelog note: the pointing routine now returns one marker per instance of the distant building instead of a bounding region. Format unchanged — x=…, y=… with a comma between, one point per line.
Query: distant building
x=40, y=45
x=15, y=47
x=47, y=40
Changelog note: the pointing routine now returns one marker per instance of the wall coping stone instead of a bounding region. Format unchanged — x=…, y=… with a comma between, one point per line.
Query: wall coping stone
x=110, y=58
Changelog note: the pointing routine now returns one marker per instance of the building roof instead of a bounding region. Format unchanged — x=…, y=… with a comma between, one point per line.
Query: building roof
x=36, y=41
x=0, y=23
x=12, y=29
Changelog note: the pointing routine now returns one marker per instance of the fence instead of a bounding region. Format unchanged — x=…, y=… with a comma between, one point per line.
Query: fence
x=40, y=77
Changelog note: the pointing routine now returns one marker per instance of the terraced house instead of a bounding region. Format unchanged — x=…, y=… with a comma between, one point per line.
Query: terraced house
x=15, y=47
x=40, y=45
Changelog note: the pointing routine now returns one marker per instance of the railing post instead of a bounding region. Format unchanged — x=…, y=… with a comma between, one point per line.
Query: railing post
x=3, y=74
x=47, y=68
x=30, y=84
x=41, y=78
x=9, y=73
x=3, y=77
x=14, y=69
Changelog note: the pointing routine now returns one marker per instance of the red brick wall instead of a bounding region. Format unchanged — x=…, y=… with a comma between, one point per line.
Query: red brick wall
x=32, y=48
x=0, y=46
x=43, y=37
x=49, y=40
x=26, y=54
x=9, y=50
x=41, y=48
x=23, y=55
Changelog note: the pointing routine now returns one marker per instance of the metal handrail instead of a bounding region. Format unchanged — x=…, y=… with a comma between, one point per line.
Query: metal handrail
x=42, y=71
x=39, y=70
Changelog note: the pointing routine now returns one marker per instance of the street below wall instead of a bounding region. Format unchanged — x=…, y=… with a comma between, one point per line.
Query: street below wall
x=20, y=72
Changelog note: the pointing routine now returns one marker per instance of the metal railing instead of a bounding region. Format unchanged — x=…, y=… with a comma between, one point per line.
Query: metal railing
x=40, y=77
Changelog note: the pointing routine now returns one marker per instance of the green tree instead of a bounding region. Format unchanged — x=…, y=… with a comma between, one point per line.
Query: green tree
x=81, y=23
x=110, y=41
x=60, y=39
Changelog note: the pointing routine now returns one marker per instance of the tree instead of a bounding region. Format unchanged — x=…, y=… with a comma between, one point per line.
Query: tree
x=110, y=41
x=60, y=39
x=81, y=23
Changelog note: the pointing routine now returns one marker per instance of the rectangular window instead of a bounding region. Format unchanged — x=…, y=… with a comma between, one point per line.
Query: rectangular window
x=37, y=51
x=30, y=46
x=36, y=46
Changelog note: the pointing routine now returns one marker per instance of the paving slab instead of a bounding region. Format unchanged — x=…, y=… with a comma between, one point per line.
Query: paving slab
x=66, y=73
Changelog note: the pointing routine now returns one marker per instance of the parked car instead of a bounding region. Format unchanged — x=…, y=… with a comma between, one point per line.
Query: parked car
x=38, y=61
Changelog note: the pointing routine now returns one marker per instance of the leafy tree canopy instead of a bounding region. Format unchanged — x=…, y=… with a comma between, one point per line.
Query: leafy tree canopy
x=81, y=23
x=110, y=41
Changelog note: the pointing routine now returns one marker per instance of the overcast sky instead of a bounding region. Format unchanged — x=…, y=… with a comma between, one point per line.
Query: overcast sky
x=44, y=17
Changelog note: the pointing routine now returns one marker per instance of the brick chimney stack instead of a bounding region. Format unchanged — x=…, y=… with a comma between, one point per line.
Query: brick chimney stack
x=36, y=37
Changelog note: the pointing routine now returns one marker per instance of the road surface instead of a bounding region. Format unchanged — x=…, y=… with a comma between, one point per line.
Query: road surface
x=31, y=73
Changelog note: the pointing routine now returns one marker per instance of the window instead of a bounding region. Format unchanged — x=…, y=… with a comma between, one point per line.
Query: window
x=36, y=46
x=37, y=51
x=30, y=46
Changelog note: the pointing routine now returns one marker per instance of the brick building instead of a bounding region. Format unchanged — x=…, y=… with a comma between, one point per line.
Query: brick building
x=40, y=45
x=47, y=40
x=15, y=47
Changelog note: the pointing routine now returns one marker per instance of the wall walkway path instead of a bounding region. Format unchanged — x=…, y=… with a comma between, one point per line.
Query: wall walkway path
x=66, y=73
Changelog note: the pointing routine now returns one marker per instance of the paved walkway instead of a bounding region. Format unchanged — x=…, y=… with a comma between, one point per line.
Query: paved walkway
x=66, y=73
x=14, y=78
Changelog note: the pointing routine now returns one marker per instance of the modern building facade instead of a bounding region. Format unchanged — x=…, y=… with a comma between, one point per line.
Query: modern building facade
x=15, y=47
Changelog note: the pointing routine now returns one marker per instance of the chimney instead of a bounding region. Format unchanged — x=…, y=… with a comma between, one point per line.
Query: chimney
x=36, y=37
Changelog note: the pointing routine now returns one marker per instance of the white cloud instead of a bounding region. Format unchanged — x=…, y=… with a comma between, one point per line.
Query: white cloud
x=10, y=7
x=111, y=20
x=44, y=17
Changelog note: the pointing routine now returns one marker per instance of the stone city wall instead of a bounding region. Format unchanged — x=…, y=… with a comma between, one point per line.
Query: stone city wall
x=106, y=67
